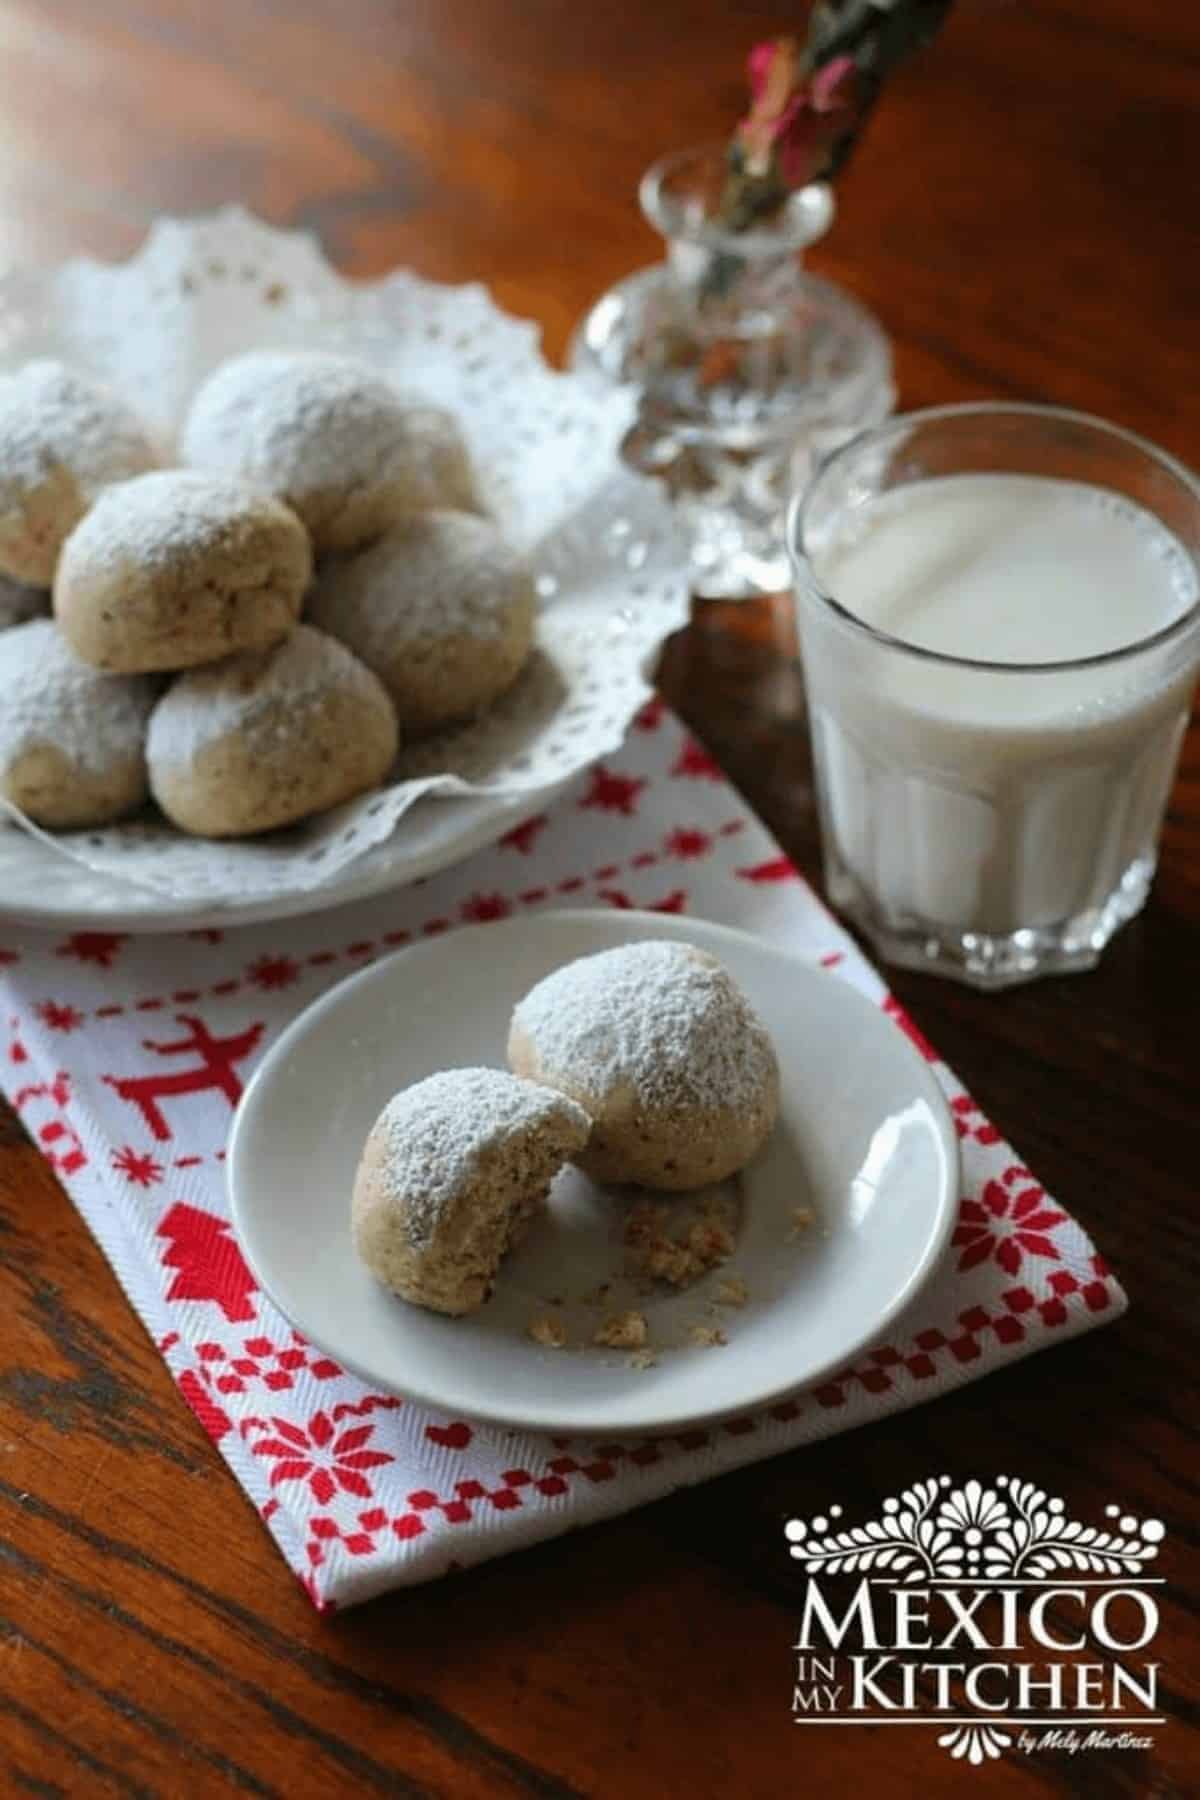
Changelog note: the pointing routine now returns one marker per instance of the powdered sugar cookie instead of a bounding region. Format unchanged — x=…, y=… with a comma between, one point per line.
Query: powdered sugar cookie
x=441, y=608
x=71, y=739
x=661, y=1047
x=62, y=440
x=330, y=437
x=177, y=568
x=451, y=1176
x=268, y=737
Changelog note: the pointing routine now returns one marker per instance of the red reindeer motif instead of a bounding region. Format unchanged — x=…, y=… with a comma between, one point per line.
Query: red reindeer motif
x=215, y=1071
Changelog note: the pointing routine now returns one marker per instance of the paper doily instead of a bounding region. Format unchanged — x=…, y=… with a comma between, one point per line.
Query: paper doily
x=604, y=545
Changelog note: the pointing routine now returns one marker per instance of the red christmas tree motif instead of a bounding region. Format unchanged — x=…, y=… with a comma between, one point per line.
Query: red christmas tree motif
x=93, y=946
x=610, y=792
x=273, y=972
x=481, y=909
x=8, y=956
x=780, y=868
x=324, y=1461
x=693, y=760
x=523, y=837
x=1006, y=1225
x=142, y=1171
x=58, y=1018
x=651, y=715
x=687, y=843
x=216, y=1071
x=210, y=1265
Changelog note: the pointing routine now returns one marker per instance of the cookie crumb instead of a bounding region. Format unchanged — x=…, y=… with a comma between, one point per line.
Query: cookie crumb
x=643, y=1359
x=548, y=1331
x=624, y=1331
x=651, y=1250
x=706, y=1337
x=732, y=1291
x=802, y=1218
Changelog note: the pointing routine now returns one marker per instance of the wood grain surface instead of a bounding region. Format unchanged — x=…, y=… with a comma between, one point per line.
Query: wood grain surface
x=1023, y=216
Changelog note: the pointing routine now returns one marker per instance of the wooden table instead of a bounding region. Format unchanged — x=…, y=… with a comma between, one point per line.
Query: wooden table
x=1023, y=219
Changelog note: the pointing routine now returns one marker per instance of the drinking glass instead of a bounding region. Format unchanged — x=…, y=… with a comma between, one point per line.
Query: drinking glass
x=982, y=819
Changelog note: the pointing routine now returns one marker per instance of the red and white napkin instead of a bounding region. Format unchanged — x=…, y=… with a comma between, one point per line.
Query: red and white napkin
x=125, y=1057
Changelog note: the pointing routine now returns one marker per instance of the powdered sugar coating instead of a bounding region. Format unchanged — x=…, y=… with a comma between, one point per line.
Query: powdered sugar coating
x=261, y=694
x=661, y=1018
x=49, y=697
x=305, y=425
x=436, y=575
x=159, y=520
x=51, y=415
x=437, y=1133
x=18, y=603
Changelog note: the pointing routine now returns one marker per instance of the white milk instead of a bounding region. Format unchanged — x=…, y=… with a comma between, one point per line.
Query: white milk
x=991, y=801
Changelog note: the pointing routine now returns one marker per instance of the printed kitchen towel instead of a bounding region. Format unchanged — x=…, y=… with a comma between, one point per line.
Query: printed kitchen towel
x=126, y=1055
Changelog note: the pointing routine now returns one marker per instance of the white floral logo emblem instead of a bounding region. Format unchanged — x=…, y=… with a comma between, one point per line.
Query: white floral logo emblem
x=936, y=1531
x=942, y=1539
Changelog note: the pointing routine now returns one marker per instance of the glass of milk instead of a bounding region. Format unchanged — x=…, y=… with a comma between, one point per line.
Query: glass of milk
x=999, y=614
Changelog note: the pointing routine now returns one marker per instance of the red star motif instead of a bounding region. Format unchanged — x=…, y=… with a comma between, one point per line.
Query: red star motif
x=8, y=956
x=686, y=843
x=325, y=1461
x=273, y=972
x=651, y=715
x=1006, y=1225
x=58, y=1018
x=481, y=909
x=93, y=946
x=613, y=793
x=694, y=760
x=523, y=837
x=143, y=1171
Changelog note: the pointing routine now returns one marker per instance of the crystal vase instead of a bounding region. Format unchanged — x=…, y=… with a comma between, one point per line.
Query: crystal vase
x=748, y=369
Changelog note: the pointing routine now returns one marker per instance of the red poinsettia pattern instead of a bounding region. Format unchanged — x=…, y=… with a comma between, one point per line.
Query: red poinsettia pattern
x=1008, y=1222
x=328, y=1462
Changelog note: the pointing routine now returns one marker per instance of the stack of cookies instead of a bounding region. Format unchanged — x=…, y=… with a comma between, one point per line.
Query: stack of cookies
x=151, y=641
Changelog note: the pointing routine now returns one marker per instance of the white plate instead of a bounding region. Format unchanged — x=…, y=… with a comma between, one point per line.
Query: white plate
x=605, y=546
x=39, y=887
x=865, y=1139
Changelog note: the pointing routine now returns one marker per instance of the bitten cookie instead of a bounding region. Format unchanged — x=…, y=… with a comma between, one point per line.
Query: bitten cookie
x=451, y=1175
x=263, y=739
x=441, y=608
x=661, y=1047
x=17, y=603
x=71, y=740
x=178, y=568
x=62, y=439
x=330, y=437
